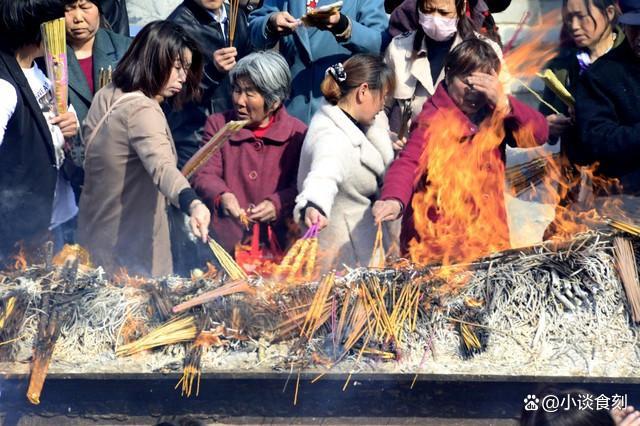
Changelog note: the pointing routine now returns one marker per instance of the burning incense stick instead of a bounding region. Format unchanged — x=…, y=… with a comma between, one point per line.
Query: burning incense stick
x=55, y=46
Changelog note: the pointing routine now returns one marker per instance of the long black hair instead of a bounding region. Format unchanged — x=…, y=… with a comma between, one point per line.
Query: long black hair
x=147, y=65
x=20, y=21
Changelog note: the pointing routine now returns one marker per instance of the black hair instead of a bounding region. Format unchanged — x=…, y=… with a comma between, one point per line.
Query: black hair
x=20, y=21
x=469, y=56
x=602, y=6
x=466, y=28
x=147, y=64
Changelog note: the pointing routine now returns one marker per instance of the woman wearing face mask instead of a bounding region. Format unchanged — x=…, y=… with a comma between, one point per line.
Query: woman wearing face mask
x=340, y=167
x=92, y=50
x=471, y=94
x=591, y=31
x=130, y=160
x=417, y=58
x=254, y=174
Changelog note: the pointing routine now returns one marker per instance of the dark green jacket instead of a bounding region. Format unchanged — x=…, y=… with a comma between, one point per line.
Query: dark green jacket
x=108, y=48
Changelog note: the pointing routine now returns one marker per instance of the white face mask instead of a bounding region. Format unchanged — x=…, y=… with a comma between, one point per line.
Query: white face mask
x=438, y=28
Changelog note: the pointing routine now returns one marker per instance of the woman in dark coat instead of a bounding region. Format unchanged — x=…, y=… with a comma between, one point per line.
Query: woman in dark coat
x=254, y=174
x=92, y=49
x=469, y=99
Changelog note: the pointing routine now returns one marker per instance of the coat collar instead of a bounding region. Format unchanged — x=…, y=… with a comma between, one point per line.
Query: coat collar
x=202, y=16
x=420, y=65
x=31, y=102
x=371, y=155
x=279, y=132
x=103, y=54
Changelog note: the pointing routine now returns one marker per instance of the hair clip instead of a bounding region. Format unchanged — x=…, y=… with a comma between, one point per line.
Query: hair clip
x=337, y=72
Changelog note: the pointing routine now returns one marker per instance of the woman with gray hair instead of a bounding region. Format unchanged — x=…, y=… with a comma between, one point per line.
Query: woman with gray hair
x=253, y=176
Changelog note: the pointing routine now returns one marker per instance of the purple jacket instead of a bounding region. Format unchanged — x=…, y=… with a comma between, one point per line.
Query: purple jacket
x=253, y=170
x=402, y=180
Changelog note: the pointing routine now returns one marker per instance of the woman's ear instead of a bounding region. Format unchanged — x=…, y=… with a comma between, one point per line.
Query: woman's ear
x=362, y=92
x=273, y=108
x=611, y=12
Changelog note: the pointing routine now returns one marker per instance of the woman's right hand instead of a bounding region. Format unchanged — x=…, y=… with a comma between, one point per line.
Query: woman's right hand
x=282, y=23
x=199, y=218
x=313, y=217
x=386, y=210
x=230, y=205
x=558, y=124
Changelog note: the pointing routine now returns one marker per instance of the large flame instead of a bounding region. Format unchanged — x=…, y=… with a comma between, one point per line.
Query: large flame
x=460, y=215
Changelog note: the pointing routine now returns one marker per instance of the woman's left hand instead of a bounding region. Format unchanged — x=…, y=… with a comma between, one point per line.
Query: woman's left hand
x=489, y=85
x=67, y=122
x=199, y=219
x=263, y=212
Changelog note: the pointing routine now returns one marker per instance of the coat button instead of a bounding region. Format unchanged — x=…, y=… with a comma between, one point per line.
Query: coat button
x=253, y=175
x=258, y=145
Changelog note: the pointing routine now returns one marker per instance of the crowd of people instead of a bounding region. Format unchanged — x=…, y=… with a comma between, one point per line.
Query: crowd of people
x=337, y=109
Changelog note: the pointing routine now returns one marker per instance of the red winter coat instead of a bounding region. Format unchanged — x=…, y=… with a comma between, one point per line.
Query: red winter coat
x=253, y=170
x=401, y=180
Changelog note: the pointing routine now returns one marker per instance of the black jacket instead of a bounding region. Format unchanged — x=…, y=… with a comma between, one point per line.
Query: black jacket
x=608, y=116
x=187, y=124
x=27, y=166
x=115, y=11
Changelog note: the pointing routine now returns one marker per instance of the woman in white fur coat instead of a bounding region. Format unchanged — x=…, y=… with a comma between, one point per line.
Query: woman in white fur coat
x=341, y=168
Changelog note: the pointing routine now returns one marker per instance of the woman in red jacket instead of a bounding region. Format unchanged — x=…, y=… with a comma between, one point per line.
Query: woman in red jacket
x=254, y=174
x=469, y=100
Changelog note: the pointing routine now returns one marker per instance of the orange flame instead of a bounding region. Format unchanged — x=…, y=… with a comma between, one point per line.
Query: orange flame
x=460, y=216
x=527, y=59
x=20, y=263
x=123, y=278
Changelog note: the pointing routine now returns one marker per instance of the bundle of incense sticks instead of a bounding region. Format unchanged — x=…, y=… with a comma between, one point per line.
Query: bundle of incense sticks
x=628, y=271
x=629, y=228
x=300, y=260
x=551, y=81
x=177, y=330
x=216, y=142
x=522, y=176
x=234, y=7
x=55, y=54
x=227, y=262
x=104, y=78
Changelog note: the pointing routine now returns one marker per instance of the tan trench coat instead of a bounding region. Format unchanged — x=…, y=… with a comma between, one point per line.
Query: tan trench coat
x=130, y=178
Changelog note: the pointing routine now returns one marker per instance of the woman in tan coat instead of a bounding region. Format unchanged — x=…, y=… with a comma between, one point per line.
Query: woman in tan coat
x=130, y=162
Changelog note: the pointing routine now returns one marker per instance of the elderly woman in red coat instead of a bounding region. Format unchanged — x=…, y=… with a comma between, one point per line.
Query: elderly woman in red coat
x=465, y=107
x=254, y=174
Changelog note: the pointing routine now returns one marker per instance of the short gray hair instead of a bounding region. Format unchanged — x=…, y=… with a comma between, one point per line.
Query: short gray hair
x=268, y=71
